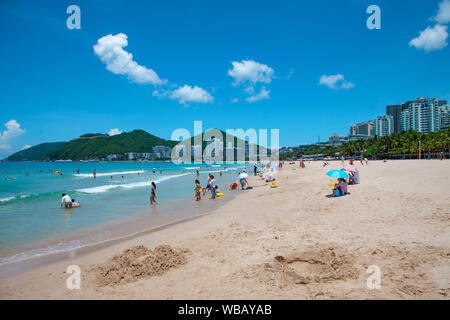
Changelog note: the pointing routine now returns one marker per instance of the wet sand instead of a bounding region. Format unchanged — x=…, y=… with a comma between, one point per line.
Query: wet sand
x=291, y=242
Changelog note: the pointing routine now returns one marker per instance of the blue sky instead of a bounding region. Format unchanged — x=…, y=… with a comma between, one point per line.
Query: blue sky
x=55, y=87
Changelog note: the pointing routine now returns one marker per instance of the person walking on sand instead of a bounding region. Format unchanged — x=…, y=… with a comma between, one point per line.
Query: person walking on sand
x=153, y=194
x=254, y=170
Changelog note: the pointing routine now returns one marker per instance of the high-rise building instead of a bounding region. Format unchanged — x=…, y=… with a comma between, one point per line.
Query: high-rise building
x=396, y=112
x=444, y=117
x=363, y=129
x=421, y=115
x=336, y=140
x=384, y=125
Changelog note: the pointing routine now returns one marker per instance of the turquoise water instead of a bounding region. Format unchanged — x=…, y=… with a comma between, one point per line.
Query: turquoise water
x=30, y=212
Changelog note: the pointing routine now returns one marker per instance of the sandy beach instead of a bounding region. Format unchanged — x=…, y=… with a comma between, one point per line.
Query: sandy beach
x=291, y=242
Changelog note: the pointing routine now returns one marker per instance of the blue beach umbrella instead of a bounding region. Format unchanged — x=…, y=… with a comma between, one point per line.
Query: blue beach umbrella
x=337, y=174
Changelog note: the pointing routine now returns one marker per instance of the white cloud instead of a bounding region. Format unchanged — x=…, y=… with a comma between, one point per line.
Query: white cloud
x=114, y=132
x=109, y=48
x=252, y=71
x=234, y=100
x=262, y=95
x=187, y=93
x=432, y=38
x=27, y=146
x=13, y=130
x=443, y=15
x=335, y=81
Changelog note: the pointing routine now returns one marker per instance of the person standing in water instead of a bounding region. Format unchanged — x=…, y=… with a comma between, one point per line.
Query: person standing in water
x=66, y=201
x=197, y=189
x=153, y=194
x=94, y=173
x=212, y=188
x=78, y=171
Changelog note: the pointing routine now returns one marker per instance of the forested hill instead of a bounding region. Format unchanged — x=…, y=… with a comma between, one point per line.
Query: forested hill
x=38, y=152
x=91, y=146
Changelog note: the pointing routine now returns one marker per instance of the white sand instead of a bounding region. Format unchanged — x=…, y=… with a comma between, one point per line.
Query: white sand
x=397, y=219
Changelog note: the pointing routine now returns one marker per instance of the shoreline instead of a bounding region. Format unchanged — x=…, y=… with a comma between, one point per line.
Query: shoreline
x=396, y=220
x=123, y=229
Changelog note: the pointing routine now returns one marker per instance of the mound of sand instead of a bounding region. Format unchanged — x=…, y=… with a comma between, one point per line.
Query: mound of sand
x=137, y=263
x=314, y=265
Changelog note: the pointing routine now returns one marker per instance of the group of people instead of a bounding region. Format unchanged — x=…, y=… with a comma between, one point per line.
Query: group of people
x=211, y=187
x=341, y=187
x=67, y=202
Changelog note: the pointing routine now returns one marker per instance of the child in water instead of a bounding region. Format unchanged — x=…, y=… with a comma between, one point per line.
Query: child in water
x=197, y=189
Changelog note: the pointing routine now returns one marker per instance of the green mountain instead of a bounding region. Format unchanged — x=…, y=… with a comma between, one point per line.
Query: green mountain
x=39, y=152
x=91, y=146
x=225, y=138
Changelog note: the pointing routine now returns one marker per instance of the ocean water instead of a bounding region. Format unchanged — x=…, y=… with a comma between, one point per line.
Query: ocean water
x=32, y=223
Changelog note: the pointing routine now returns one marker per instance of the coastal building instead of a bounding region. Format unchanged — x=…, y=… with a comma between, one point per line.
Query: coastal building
x=362, y=130
x=336, y=140
x=422, y=115
x=112, y=157
x=162, y=152
x=384, y=125
x=396, y=112
x=444, y=117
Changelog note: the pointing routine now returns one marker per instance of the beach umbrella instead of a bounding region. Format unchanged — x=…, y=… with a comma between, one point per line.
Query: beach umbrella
x=243, y=175
x=351, y=168
x=337, y=174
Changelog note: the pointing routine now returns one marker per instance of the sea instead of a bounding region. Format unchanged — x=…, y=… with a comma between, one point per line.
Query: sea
x=114, y=205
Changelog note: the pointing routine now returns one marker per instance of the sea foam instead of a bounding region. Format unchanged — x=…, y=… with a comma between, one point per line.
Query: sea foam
x=142, y=184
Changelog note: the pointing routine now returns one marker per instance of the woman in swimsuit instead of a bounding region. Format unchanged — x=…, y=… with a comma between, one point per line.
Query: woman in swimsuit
x=153, y=194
